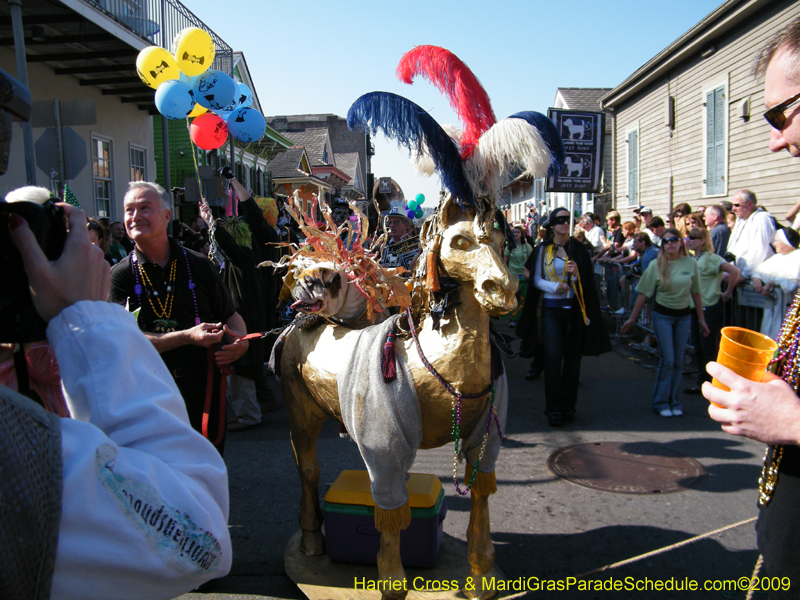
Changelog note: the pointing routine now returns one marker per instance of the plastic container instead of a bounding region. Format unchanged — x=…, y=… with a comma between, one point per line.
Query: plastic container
x=746, y=353
x=349, y=514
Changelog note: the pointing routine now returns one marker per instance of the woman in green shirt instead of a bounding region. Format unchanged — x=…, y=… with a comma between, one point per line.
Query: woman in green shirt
x=516, y=259
x=712, y=269
x=673, y=281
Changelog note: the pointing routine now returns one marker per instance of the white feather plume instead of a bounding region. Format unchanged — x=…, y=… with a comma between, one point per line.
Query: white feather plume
x=423, y=163
x=510, y=148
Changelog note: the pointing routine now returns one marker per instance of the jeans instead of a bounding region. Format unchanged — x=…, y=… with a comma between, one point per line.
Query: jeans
x=562, y=361
x=672, y=334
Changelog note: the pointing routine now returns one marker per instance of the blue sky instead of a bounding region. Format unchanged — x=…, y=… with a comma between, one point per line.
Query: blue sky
x=319, y=57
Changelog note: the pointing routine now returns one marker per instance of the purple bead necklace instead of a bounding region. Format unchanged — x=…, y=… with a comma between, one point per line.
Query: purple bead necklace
x=138, y=289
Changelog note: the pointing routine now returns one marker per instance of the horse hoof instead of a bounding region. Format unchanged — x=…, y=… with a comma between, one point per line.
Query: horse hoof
x=312, y=543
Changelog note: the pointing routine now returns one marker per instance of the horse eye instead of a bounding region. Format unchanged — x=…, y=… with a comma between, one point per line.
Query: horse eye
x=460, y=243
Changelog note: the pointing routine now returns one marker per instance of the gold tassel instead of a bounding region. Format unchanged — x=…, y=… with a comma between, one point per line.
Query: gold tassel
x=393, y=520
x=485, y=483
x=432, y=271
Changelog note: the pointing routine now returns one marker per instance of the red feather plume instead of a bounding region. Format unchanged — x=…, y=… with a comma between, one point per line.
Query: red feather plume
x=453, y=78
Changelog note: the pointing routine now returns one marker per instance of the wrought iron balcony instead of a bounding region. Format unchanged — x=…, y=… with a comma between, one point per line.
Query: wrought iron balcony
x=159, y=21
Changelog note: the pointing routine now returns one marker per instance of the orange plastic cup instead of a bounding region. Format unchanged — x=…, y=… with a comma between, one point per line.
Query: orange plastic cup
x=746, y=353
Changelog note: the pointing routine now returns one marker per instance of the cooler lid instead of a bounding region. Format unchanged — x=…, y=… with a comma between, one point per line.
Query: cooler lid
x=353, y=487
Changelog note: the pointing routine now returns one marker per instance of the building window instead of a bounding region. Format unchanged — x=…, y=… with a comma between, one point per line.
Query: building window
x=241, y=174
x=138, y=159
x=633, y=167
x=102, y=177
x=715, y=133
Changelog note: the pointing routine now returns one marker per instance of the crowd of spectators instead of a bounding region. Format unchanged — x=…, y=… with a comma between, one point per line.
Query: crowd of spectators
x=736, y=245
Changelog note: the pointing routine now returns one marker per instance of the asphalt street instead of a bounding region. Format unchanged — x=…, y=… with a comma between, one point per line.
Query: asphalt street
x=543, y=527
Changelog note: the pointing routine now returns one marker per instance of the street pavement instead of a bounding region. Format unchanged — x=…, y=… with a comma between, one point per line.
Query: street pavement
x=543, y=527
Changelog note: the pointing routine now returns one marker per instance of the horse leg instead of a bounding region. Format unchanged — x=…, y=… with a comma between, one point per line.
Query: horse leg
x=306, y=419
x=480, y=550
x=390, y=567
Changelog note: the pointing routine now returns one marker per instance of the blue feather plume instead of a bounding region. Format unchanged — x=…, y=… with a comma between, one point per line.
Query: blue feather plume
x=550, y=135
x=415, y=129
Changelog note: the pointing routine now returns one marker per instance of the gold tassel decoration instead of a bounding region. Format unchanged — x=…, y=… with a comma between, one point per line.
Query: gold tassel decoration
x=393, y=520
x=432, y=271
x=485, y=483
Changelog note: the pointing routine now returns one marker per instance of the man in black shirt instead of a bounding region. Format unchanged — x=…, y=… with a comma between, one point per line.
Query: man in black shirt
x=182, y=307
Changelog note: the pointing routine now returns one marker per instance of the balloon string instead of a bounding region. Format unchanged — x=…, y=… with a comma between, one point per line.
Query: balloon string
x=196, y=168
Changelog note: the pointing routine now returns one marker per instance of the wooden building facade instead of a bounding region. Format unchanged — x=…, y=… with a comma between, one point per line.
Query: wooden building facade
x=688, y=125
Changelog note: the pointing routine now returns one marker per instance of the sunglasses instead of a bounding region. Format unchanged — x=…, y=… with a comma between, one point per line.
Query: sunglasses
x=559, y=220
x=776, y=116
x=93, y=225
x=690, y=238
x=671, y=240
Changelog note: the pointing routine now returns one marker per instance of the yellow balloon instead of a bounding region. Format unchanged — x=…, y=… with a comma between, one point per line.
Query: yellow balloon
x=194, y=51
x=155, y=65
x=197, y=111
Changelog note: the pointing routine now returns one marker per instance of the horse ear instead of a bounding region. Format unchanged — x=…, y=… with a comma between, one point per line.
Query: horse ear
x=446, y=209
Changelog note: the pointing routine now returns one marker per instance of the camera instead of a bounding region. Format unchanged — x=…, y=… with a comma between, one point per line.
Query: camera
x=19, y=321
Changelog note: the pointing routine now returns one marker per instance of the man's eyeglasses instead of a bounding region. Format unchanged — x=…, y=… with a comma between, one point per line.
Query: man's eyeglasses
x=671, y=240
x=776, y=116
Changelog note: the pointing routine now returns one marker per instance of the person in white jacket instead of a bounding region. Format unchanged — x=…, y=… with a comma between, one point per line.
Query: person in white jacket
x=144, y=499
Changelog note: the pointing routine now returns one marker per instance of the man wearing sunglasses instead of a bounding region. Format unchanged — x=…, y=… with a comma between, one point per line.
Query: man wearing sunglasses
x=769, y=410
x=752, y=234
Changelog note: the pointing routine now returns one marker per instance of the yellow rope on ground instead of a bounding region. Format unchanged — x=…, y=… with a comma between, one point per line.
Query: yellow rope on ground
x=660, y=551
x=750, y=591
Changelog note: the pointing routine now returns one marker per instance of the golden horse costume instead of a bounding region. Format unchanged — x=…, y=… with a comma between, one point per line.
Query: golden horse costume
x=428, y=376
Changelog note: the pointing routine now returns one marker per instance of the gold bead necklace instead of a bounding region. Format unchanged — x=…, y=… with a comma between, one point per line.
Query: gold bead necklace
x=787, y=367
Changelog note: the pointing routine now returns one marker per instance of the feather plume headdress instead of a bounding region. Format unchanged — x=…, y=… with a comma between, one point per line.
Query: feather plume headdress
x=474, y=163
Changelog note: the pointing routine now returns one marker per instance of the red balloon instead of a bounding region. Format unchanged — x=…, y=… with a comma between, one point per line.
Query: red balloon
x=208, y=131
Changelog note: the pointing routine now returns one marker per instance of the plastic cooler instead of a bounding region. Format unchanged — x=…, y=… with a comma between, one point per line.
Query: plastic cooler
x=349, y=513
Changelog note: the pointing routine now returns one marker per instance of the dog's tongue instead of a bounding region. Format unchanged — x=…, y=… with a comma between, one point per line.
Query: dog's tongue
x=308, y=307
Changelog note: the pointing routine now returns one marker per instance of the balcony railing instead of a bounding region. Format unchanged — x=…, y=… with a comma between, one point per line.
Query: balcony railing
x=159, y=21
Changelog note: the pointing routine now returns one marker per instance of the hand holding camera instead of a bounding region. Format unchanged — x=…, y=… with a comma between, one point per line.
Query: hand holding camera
x=80, y=273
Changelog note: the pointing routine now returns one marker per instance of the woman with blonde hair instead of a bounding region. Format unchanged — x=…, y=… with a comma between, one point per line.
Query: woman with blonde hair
x=673, y=282
x=712, y=269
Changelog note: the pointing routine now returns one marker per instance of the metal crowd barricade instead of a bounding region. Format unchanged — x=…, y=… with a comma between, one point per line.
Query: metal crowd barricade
x=745, y=309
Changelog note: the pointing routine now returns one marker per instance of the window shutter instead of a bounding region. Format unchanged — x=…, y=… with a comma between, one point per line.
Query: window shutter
x=715, y=141
x=719, y=138
x=633, y=168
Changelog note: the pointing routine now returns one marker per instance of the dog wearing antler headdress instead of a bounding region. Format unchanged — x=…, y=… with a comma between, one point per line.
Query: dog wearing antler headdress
x=431, y=373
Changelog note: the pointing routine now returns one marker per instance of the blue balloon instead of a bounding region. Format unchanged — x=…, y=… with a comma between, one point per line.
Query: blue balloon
x=186, y=79
x=244, y=97
x=246, y=125
x=420, y=199
x=214, y=89
x=174, y=99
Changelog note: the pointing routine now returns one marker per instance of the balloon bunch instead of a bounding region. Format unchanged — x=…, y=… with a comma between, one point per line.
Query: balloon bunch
x=187, y=88
x=413, y=209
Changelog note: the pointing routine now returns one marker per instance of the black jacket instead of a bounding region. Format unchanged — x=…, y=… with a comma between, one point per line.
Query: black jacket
x=594, y=337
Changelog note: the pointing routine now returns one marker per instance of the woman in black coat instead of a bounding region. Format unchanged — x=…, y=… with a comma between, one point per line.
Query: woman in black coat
x=562, y=313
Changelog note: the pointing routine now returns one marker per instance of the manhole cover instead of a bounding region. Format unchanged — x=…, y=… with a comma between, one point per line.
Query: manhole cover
x=626, y=467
